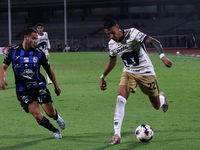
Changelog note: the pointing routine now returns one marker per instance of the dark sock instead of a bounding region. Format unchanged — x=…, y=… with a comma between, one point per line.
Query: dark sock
x=45, y=123
x=56, y=117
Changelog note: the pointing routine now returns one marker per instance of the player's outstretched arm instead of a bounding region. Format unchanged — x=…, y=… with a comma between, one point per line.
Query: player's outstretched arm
x=166, y=62
x=3, y=83
x=111, y=64
x=103, y=84
x=53, y=79
x=160, y=50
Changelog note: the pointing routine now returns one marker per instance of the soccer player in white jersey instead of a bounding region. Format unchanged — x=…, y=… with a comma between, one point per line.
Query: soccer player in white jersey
x=43, y=43
x=129, y=44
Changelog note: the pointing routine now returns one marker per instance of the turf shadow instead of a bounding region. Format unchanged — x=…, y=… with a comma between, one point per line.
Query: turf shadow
x=24, y=144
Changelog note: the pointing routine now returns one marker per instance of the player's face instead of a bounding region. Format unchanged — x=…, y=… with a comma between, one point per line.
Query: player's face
x=114, y=33
x=40, y=30
x=31, y=41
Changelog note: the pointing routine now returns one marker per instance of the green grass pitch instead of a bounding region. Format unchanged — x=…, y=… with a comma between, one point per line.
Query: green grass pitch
x=88, y=111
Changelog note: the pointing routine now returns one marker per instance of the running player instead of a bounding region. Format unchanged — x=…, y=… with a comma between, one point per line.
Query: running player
x=26, y=59
x=138, y=70
x=43, y=43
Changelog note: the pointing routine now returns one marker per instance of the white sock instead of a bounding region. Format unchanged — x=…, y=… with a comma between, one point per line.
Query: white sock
x=162, y=100
x=119, y=114
x=48, y=79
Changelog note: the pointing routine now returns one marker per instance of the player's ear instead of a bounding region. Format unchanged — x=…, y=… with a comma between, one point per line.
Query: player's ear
x=25, y=36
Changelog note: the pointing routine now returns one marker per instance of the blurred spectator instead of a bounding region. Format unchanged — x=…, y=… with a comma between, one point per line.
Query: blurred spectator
x=59, y=47
x=76, y=49
x=193, y=40
x=67, y=48
x=189, y=41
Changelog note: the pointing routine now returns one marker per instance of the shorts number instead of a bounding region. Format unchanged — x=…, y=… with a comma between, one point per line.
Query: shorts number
x=152, y=86
x=40, y=99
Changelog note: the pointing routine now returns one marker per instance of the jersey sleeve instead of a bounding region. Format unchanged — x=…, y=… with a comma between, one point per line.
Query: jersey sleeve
x=111, y=49
x=137, y=35
x=112, y=54
x=44, y=61
x=48, y=43
x=8, y=57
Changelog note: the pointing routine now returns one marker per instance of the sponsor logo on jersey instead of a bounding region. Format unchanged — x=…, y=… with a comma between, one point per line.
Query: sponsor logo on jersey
x=27, y=73
x=122, y=49
x=26, y=59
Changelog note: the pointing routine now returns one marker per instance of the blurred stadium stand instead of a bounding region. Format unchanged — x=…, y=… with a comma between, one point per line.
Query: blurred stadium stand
x=162, y=19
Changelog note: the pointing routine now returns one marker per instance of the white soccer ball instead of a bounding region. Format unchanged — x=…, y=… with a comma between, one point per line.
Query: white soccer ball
x=144, y=133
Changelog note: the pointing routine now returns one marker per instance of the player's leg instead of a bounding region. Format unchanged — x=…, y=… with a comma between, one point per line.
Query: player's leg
x=159, y=101
x=52, y=112
x=47, y=104
x=34, y=109
x=29, y=103
x=42, y=120
x=149, y=86
x=123, y=93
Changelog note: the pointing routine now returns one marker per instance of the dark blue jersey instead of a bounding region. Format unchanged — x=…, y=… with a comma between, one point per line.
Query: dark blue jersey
x=26, y=66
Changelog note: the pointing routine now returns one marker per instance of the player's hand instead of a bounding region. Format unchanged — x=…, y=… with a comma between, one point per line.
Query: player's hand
x=3, y=85
x=57, y=90
x=103, y=84
x=166, y=62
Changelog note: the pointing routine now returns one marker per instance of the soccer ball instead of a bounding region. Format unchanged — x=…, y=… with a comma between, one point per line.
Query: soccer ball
x=144, y=133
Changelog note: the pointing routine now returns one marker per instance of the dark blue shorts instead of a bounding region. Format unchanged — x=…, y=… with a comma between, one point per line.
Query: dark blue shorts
x=42, y=96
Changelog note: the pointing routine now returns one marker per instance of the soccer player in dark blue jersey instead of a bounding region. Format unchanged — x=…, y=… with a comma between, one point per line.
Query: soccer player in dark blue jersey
x=26, y=59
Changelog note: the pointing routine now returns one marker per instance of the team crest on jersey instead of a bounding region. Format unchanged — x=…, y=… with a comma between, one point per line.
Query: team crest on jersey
x=35, y=59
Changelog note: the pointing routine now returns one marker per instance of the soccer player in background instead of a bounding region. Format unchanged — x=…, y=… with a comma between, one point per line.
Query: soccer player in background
x=129, y=44
x=26, y=59
x=43, y=43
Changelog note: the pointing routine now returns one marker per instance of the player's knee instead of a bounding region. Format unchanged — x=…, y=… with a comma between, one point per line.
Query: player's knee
x=51, y=114
x=38, y=117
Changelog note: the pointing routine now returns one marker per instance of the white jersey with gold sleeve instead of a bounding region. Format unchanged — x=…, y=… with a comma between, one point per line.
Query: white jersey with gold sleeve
x=43, y=43
x=133, y=52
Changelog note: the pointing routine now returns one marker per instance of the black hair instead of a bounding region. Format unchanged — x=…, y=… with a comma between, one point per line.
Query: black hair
x=28, y=31
x=39, y=24
x=110, y=23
